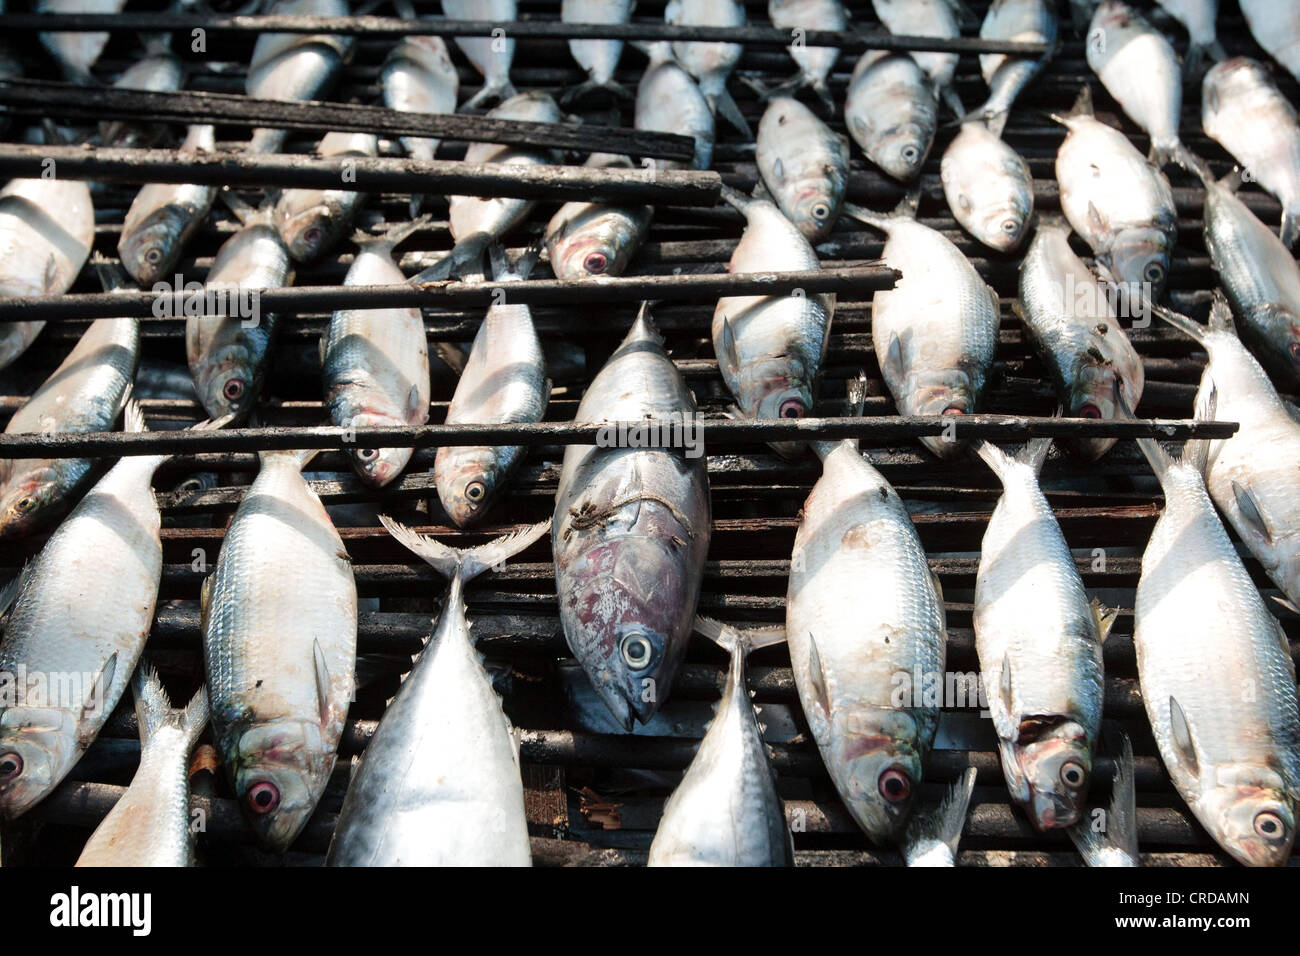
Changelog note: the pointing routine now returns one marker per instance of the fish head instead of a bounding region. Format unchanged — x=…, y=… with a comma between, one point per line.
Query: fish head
x=1138, y=260
x=309, y=222
x=816, y=207
x=1275, y=336
x=1001, y=223
x=1092, y=395
x=150, y=251
x=26, y=500
x=775, y=388
x=1250, y=812
x=37, y=747
x=588, y=252
x=377, y=467
x=944, y=392
x=878, y=753
x=1053, y=764
x=280, y=768
x=468, y=479
x=225, y=380
x=902, y=149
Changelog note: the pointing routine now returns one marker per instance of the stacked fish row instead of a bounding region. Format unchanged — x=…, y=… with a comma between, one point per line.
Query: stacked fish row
x=631, y=526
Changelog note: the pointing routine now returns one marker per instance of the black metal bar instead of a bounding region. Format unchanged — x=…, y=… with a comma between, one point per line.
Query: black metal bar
x=367, y=174
x=172, y=302
x=394, y=27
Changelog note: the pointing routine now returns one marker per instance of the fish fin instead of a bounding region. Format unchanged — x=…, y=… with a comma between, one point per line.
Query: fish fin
x=1104, y=617
x=394, y=236
x=241, y=210
x=1281, y=600
x=729, y=636
x=12, y=588
x=1189, y=327
x=952, y=101
x=1156, y=456
x=205, y=600
x=993, y=456
x=1181, y=156
x=453, y=356
x=818, y=678
x=413, y=402
x=1035, y=453
x=1285, y=645
x=51, y=277
x=195, y=715
x=938, y=586
x=1118, y=830
x=320, y=668
x=151, y=701
x=1196, y=451
x=735, y=198
x=1098, y=223
x=99, y=687
x=464, y=563
x=133, y=418
x=722, y=104
x=581, y=91
x=1184, y=746
x=894, y=358
x=945, y=823
x=301, y=455
x=1082, y=107
x=879, y=221
x=1004, y=721
x=727, y=345
x=1221, y=314
x=1248, y=507
x=111, y=275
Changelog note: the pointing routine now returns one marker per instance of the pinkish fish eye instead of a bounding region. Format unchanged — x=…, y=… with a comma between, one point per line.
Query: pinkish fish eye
x=596, y=263
x=367, y=454
x=1089, y=410
x=263, y=797
x=475, y=491
x=1269, y=825
x=233, y=390
x=1294, y=349
x=312, y=235
x=895, y=786
x=11, y=766
x=792, y=408
x=1072, y=774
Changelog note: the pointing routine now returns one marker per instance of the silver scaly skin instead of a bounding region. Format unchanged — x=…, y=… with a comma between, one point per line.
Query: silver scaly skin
x=726, y=811
x=311, y=221
x=804, y=165
x=375, y=362
x=1276, y=27
x=159, y=70
x=76, y=53
x=669, y=101
x=1216, y=674
x=1198, y=18
x=1071, y=318
x=711, y=63
x=630, y=534
x=598, y=57
x=770, y=347
x=815, y=62
x=865, y=625
x=1120, y=203
x=1039, y=643
x=988, y=187
x=891, y=113
x=279, y=650
x=163, y=217
x=936, y=331
x=419, y=77
x=1019, y=21
x=596, y=239
x=151, y=824
x=46, y=230
x=504, y=382
x=491, y=56
x=928, y=18
x=439, y=784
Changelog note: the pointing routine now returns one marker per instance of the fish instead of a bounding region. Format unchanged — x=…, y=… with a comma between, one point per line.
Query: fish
x=596, y=239
x=151, y=824
x=163, y=217
x=477, y=221
x=158, y=71
x=1198, y=17
x=630, y=533
x=375, y=362
x=1019, y=21
x=711, y=63
x=931, y=838
x=1117, y=201
x=491, y=56
x=669, y=101
x=1216, y=674
x=936, y=331
x=927, y=18
x=598, y=57
x=866, y=628
x=86, y=393
x=815, y=62
x=1109, y=837
x=295, y=66
x=311, y=221
x=1251, y=476
x=891, y=113
x=1073, y=322
x=1275, y=27
x=770, y=348
x=439, y=783
x=76, y=53
x=504, y=382
x=229, y=354
x=1244, y=111
x=1259, y=275
x=803, y=164
x=988, y=187
x=78, y=616
x=726, y=811
x=1039, y=643
x=279, y=650
x=46, y=229
x=1139, y=68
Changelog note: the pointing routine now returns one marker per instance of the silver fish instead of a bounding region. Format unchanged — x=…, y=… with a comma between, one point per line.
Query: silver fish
x=375, y=362
x=491, y=56
x=988, y=187
x=295, y=66
x=815, y=62
x=1119, y=202
x=669, y=101
x=804, y=165
x=726, y=811
x=711, y=63
x=931, y=838
x=598, y=57
x=151, y=824
x=453, y=797
x=419, y=77
x=865, y=624
x=936, y=331
x=927, y=18
x=1242, y=108
x=630, y=533
x=1072, y=320
x=46, y=230
x=1216, y=674
x=311, y=221
x=596, y=239
x=504, y=381
x=1276, y=27
x=770, y=347
x=1111, y=839
x=76, y=53
x=1198, y=17
x=1039, y=643
x=158, y=71
x=1019, y=21
x=163, y=217
x=891, y=112
x=279, y=650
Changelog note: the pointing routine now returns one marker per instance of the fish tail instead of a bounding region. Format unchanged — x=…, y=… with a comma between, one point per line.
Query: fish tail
x=855, y=405
x=299, y=456
x=580, y=91
x=735, y=198
x=133, y=417
x=1082, y=107
x=1181, y=156
x=945, y=824
x=491, y=92
x=1189, y=327
x=153, y=708
x=822, y=91
x=461, y=255
x=464, y=564
x=721, y=103
x=731, y=637
x=1099, y=840
x=394, y=236
x=999, y=462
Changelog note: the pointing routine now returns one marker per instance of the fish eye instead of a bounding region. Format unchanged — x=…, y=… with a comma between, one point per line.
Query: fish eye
x=313, y=235
x=895, y=786
x=11, y=766
x=190, y=484
x=26, y=504
x=263, y=797
x=596, y=263
x=820, y=210
x=367, y=454
x=792, y=408
x=475, y=491
x=910, y=154
x=1294, y=349
x=1154, y=272
x=153, y=256
x=1010, y=226
x=1089, y=410
x=637, y=651
x=1269, y=825
x=1073, y=774
x=233, y=390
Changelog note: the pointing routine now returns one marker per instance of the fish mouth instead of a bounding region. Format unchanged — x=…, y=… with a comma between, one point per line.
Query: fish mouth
x=942, y=401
